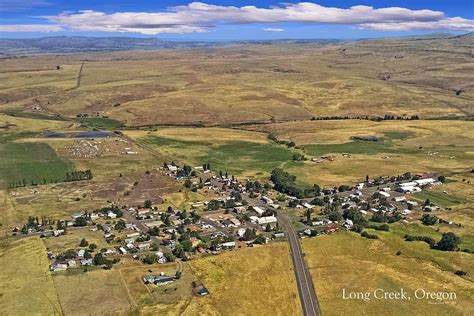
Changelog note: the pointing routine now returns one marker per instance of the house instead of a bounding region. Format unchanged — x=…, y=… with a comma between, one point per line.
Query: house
x=408, y=184
x=153, y=224
x=144, y=246
x=241, y=232
x=235, y=221
x=163, y=280
x=406, y=212
x=266, y=220
x=412, y=203
x=58, y=232
x=172, y=168
x=58, y=266
x=122, y=250
x=423, y=182
x=229, y=244
x=110, y=252
x=240, y=209
x=86, y=262
x=71, y=263
x=133, y=235
x=278, y=235
x=399, y=198
x=94, y=216
x=348, y=224
x=307, y=205
x=258, y=210
x=76, y=215
x=330, y=229
x=384, y=194
x=267, y=200
x=111, y=215
x=202, y=291
x=81, y=253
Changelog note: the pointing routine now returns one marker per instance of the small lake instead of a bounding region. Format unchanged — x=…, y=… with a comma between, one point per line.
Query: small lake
x=79, y=135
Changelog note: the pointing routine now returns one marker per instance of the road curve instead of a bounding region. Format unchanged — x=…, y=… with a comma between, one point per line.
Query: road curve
x=309, y=300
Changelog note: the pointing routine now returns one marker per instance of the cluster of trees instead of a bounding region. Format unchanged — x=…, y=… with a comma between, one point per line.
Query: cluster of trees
x=206, y=166
x=114, y=209
x=286, y=183
x=429, y=220
x=24, y=183
x=386, y=117
x=32, y=223
x=275, y=139
x=448, y=242
x=185, y=172
x=100, y=260
x=78, y=175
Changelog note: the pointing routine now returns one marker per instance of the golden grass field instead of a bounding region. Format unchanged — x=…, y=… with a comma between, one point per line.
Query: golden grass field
x=26, y=285
x=346, y=260
x=254, y=281
x=247, y=83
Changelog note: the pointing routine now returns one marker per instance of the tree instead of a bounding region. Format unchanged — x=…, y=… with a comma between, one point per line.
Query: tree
x=147, y=204
x=99, y=259
x=120, y=225
x=268, y=228
x=249, y=234
x=83, y=243
x=308, y=216
x=154, y=231
x=260, y=239
x=429, y=219
x=92, y=247
x=442, y=179
x=449, y=242
x=169, y=257
x=80, y=221
x=177, y=275
x=213, y=205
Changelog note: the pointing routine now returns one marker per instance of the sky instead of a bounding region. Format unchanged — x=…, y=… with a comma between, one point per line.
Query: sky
x=234, y=20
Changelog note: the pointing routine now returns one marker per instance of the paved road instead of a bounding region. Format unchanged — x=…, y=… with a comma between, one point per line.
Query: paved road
x=308, y=298
x=309, y=301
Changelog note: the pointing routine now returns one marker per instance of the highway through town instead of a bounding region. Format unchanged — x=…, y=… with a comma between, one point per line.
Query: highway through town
x=309, y=300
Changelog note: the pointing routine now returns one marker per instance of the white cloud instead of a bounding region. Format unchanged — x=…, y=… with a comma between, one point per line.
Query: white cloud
x=271, y=29
x=202, y=17
x=44, y=28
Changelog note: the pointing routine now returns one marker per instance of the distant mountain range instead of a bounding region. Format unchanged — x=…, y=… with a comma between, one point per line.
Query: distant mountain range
x=79, y=44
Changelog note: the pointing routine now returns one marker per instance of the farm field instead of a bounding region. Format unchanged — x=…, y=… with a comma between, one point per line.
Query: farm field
x=26, y=285
x=348, y=261
x=227, y=277
x=408, y=146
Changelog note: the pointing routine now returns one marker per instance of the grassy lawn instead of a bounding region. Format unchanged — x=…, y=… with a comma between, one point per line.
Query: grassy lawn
x=100, y=123
x=251, y=281
x=438, y=198
x=35, y=115
x=33, y=161
x=26, y=285
x=239, y=158
x=347, y=261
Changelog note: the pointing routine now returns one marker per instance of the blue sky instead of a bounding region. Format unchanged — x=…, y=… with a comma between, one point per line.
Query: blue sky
x=234, y=20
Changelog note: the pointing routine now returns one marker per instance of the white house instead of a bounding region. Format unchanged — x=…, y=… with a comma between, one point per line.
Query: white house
x=425, y=181
x=258, y=210
x=266, y=220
